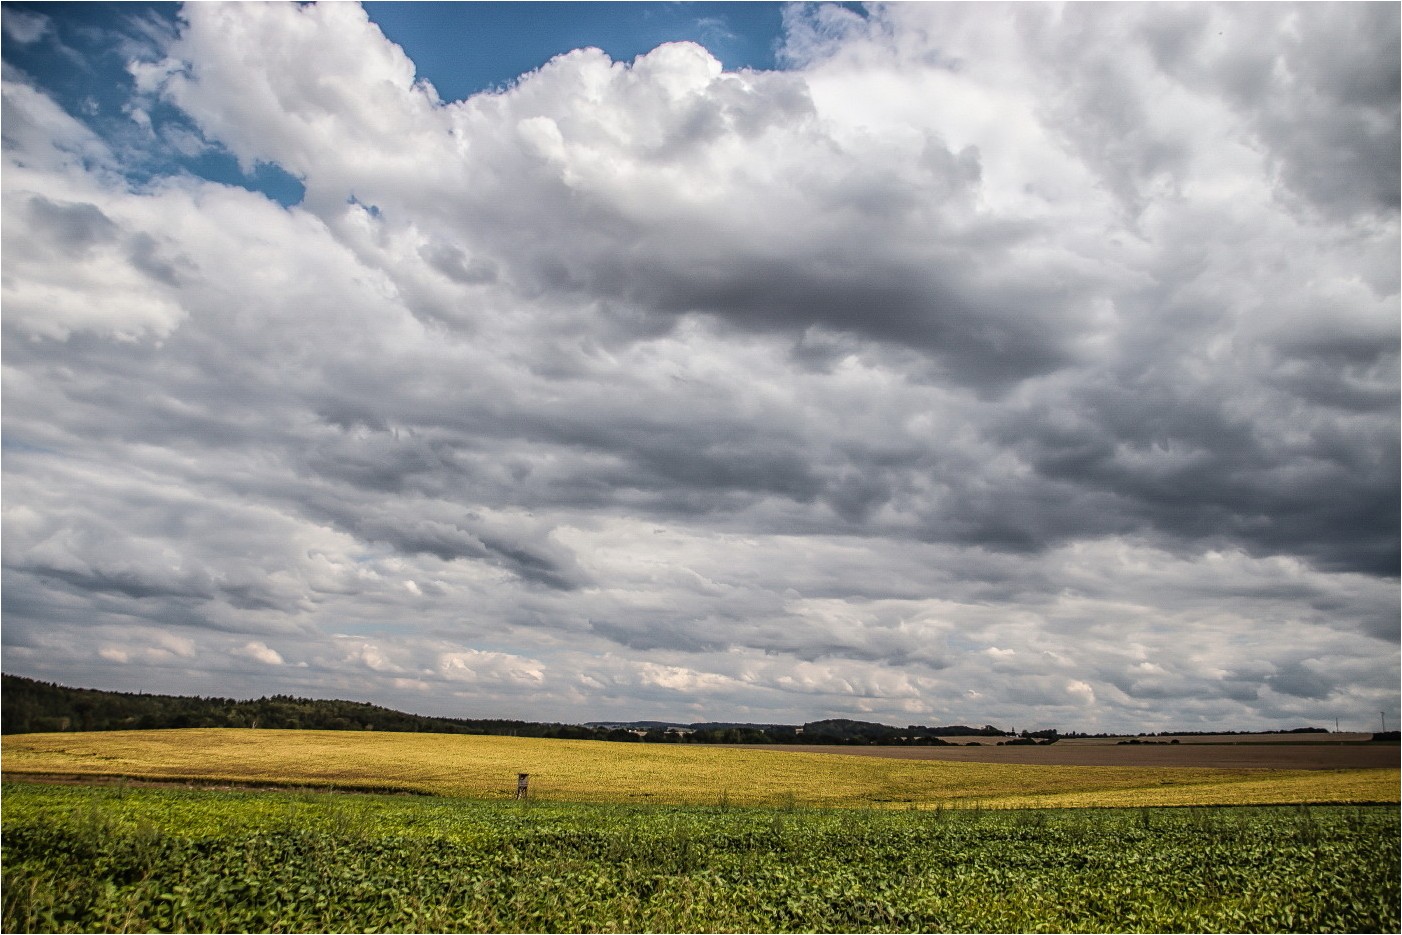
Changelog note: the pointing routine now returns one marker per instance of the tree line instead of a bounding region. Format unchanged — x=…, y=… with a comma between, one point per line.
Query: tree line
x=31, y=706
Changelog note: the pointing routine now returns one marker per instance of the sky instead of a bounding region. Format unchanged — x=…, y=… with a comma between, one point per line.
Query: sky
x=1029, y=365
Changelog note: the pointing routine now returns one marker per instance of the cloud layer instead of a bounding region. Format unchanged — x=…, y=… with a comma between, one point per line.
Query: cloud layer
x=1035, y=366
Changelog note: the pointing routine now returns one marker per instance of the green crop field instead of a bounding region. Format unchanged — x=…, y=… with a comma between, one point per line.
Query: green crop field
x=81, y=858
x=594, y=771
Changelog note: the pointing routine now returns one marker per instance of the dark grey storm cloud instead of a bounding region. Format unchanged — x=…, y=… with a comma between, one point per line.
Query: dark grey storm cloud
x=1032, y=363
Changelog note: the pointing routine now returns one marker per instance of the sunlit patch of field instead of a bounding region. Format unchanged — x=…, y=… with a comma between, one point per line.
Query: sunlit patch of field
x=594, y=771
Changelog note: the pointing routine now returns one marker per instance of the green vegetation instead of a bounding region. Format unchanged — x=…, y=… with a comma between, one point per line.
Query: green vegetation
x=126, y=859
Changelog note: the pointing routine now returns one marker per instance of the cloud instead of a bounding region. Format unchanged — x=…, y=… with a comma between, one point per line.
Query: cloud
x=86, y=274
x=158, y=648
x=259, y=651
x=41, y=136
x=604, y=145
x=477, y=665
x=973, y=365
x=24, y=26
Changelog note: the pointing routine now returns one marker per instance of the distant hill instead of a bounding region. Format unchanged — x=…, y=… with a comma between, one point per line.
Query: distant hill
x=837, y=727
x=29, y=706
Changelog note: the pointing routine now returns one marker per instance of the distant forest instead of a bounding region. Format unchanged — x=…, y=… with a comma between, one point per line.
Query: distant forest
x=29, y=706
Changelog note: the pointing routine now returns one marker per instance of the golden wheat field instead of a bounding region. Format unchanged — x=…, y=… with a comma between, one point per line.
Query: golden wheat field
x=595, y=771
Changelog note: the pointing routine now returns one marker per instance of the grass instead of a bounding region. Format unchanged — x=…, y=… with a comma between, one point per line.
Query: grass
x=593, y=771
x=143, y=859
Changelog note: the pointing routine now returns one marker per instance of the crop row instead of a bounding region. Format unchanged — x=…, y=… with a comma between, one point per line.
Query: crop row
x=87, y=859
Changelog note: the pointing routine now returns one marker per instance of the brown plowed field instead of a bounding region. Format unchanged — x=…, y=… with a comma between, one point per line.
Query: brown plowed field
x=1331, y=739
x=1213, y=755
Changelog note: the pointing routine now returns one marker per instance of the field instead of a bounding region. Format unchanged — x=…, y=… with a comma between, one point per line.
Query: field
x=593, y=771
x=84, y=858
x=1292, y=739
x=651, y=837
x=1244, y=755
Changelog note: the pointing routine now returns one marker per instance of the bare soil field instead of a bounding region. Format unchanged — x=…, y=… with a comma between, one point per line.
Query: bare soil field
x=1070, y=753
x=1332, y=739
